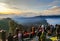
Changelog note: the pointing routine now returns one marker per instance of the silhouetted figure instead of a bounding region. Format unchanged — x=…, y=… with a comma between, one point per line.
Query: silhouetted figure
x=3, y=35
x=48, y=28
x=39, y=32
x=32, y=34
x=22, y=36
x=43, y=36
x=10, y=37
x=52, y=28
x=58, y=32
x=16, y=36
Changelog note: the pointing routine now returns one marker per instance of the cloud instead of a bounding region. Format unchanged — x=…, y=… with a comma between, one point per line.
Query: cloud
x=27, y=4
x=7, y=15
x=55, y=10
x=30, y=4
x=55, y=3
x=33, y=7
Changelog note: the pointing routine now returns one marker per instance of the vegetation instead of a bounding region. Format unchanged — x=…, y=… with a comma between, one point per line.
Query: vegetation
x=9, y=25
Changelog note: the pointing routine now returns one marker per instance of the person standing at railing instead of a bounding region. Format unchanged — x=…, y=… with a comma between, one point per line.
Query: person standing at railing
x=10, y=37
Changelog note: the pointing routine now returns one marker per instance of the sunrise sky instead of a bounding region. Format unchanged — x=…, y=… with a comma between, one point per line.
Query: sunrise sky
x=9, y=8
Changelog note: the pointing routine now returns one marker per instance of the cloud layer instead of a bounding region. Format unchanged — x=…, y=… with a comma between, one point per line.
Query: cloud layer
x=32, y=7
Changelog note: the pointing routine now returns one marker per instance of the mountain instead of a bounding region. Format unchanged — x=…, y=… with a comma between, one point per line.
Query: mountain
x=49, y=16
x=30, y=20
x=26, y=21
x=4, y=23
x=34, y=20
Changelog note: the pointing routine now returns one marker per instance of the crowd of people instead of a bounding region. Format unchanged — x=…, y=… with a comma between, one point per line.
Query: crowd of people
x=41, y=32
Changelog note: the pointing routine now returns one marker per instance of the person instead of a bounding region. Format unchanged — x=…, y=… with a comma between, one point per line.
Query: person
x=10, y=37
x=52, y=28
x=43, y=36
x=16, y=34
x=15, y=38
x=32, y=33
x=3, y=35
x=58, y=32
x=19, y=36
x=39, y=32
x=49, y=31
x=26, y=34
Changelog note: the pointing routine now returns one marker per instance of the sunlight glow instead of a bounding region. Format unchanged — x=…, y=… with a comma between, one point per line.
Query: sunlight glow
x=2, y=7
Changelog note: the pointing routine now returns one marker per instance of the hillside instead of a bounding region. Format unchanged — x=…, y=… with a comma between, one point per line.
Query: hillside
x=49, y=16
x=4, y=23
